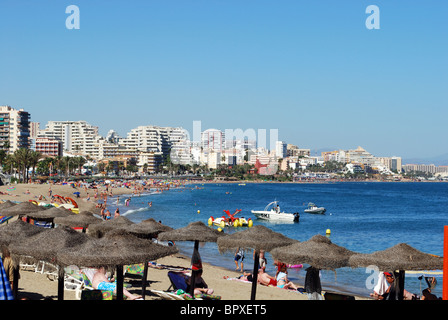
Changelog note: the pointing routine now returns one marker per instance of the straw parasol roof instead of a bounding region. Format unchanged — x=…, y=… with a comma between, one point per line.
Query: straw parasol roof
x=21, y=209
x=117, y=247
x=398, y=257
x=98, y=230
x=7, y=204
x=49, y=214
x=195, y=231
x=318, y=252
x=80, y=220
x=258, y=237
x=17, y=231
x=148, y=229
x=45, y=245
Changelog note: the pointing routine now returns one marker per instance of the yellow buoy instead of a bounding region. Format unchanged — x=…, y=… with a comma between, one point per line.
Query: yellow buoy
x=250, y=223
x=222, y=224
x=328, y=232
x=199, y=211
x=236, y=223
x=210, y=221
x=219, y=229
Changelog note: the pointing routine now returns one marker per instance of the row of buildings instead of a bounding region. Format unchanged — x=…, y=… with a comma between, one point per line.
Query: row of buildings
x=151, y=146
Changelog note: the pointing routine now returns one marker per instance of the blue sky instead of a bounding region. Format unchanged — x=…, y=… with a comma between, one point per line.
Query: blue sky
x=310, y=69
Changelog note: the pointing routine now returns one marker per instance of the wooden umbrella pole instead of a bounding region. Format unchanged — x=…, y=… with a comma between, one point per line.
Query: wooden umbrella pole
x=445, y=264
x=193, y=272
x=120, y=282
x=144, y=280
x=15, y=282
x=61, y=275
x=254, y=276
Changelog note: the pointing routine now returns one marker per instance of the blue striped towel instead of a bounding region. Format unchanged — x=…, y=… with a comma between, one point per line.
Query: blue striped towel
x=5, y=287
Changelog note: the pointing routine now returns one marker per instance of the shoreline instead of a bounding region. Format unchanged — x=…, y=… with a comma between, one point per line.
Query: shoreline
x=37, y=285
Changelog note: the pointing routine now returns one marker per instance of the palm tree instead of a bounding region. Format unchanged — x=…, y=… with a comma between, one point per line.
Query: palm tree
x=22, y=158
x=34, y=158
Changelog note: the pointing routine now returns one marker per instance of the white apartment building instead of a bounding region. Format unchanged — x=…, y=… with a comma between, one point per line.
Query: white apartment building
x=280, y=149
x=212, y=140
x=76, y=136
x=14, y=128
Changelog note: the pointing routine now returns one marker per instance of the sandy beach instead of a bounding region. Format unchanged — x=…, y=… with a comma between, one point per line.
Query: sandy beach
x=37, y=286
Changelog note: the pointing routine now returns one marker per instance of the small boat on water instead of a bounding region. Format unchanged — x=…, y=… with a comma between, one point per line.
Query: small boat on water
x=272, y=212
x=312, y=208
x=230, y=220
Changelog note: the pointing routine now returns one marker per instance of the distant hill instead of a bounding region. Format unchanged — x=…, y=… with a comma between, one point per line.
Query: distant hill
x=441, y=160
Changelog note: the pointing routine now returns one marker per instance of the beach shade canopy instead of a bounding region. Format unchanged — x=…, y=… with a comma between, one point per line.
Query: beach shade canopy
x=195, y=231
x=17, y=231
x=318, y=252
x=116, y=247
x=6, y=204
x=80, y=220
x=399, y=257
x=147, y=229
x=98, y=230
x=45, y=245
x=49, y=214
x=258, y=237
x=21, y=209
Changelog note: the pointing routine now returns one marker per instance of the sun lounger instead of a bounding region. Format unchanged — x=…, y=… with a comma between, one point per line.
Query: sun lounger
x=4, y=219
x=87, y=292
x=179, y=282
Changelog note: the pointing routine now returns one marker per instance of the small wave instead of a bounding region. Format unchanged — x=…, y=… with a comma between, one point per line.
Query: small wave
x=131, y=211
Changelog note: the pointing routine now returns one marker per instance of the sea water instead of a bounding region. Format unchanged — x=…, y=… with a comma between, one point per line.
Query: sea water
x=362, y=216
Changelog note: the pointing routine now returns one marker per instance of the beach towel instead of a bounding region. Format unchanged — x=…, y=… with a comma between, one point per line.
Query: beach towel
x=5, y=286
x=382, y=284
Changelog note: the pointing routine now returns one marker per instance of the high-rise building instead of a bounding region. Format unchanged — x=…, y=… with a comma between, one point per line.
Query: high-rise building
x=76, y=136
x=14, y=128
x=212, y=140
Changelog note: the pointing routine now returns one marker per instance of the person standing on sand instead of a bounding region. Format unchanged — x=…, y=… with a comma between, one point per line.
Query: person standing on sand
x=239, y=254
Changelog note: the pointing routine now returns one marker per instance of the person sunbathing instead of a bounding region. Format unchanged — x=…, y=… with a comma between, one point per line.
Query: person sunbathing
x=266, y=279
x=101, y=282
x=282, y=279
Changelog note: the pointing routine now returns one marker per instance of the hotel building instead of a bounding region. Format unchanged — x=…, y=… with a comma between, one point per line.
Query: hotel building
x=14, y=128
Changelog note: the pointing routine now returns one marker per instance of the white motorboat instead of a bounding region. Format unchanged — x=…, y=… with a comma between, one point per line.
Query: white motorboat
x=312, y=208
x=272, y=212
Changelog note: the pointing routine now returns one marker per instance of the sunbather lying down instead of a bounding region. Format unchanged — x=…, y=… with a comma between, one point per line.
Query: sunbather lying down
x=246, y=276
x=101, y=282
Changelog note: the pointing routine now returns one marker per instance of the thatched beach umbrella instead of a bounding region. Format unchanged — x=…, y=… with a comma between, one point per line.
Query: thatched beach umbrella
x=258, y=238
x=115, y=249
x=49, y=215
x=80, y=220
x=400, y=257
x=146, y=229
x=45, y=245
x=98, y=230
x=318, y=252
x=17, y=231
x=6, y=204
x=21, y=209
x=197, y=232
